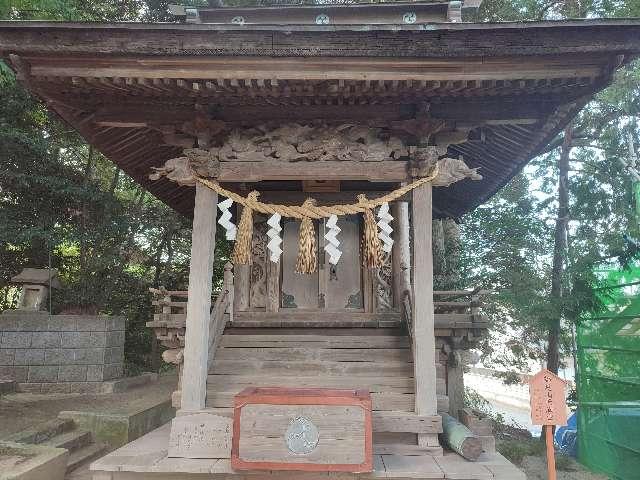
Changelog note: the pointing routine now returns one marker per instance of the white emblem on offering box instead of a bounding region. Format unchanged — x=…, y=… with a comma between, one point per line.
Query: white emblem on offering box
x=302, y=436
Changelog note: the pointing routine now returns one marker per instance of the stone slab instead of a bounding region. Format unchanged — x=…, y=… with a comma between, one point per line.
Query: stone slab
x=72, y=373
x=17, y=374
x=16, y=340
x=28, y=356
x=200, y=435
x=62, y=323
x=117, y=430
x=122, y=384
x=6, y=356
x=45, y=463
x=146, y=459
x=43, y=374
x=457, y=468
x=399, y=466
x=46, y=340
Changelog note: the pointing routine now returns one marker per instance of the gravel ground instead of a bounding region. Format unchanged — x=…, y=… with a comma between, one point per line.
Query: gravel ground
x=536, y=469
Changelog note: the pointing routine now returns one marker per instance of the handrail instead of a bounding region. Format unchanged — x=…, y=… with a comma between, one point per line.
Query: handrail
x=217, y=323
x=224, y=302
x=406, y=308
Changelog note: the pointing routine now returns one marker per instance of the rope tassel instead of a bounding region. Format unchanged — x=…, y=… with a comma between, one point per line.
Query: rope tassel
x=307, y=261
x=371, y=249
x=242, y=249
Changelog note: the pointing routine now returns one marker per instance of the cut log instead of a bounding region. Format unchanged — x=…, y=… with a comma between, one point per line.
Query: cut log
x=460, y=439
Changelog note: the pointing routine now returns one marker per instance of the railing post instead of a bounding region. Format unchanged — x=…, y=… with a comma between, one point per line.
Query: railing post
x=229, y=287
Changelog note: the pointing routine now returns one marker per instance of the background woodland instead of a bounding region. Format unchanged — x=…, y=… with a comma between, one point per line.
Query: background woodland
x=536, y=244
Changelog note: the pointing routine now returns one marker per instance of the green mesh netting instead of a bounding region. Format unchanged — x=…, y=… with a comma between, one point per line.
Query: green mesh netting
x=609, y=380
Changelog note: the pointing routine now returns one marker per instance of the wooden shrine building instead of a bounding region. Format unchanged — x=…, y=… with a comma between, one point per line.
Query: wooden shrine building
x=386, y=115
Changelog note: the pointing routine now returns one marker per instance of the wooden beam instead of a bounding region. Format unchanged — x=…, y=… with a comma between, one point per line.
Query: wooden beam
x=568, y=38
x=196, y=350
x=423, y=337
x=455, y=382
x=387, y=171
x=309, y=68
x=523, y=109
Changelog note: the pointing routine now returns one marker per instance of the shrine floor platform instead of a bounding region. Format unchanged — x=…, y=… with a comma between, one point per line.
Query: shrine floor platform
x=146, y=459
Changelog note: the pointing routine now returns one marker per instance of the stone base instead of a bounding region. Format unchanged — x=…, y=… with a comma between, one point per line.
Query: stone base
x=43, y=463
x=117, y=429
x=146, y=459
x=45, y=353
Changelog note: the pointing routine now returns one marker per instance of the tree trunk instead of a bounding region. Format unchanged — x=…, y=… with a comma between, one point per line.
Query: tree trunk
x=88, y=174
x=439, y=253
x=559, y=250
x=453, y=247
x=114, y=181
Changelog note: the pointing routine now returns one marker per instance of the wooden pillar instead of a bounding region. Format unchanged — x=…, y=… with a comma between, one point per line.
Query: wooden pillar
x=424, y=348
x=196, y=344
x=401, y=253
x=455, y=382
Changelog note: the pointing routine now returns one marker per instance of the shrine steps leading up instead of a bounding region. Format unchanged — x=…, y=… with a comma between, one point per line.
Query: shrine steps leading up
x=375, y=359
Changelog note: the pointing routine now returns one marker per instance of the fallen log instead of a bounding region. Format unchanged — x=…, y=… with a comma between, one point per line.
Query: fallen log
x=460, y=439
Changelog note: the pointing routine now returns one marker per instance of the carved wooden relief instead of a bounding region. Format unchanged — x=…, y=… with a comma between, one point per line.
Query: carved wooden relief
x=258, y=272
x=384, y=285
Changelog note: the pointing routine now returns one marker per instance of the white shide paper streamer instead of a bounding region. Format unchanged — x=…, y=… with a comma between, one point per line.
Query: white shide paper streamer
x=331, y=247
x=274, y=237
x=385, y=229
x=225, y=219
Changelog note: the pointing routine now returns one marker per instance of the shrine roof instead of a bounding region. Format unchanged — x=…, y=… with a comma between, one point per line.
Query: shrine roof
x=137, y=91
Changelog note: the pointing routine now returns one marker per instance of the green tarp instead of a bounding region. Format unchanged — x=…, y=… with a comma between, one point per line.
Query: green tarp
x=609, y=380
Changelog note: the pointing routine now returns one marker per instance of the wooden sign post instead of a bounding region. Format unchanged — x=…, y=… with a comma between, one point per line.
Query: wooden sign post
x=548, y=408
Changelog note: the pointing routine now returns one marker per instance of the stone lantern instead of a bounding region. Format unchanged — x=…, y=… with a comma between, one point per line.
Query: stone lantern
x=35, y=287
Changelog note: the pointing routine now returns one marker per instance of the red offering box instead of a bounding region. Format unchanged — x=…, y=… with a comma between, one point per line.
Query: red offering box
x=305, y=429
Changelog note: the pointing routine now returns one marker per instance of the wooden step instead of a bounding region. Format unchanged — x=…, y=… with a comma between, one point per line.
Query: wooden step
x=295, y=368
x=393, y=421
x=312, y=353
x=371, y=342
x=84, y=455
x=402, y=402
x=374, y=384
x=397, y=384
x=72, y=440
x=315, y=319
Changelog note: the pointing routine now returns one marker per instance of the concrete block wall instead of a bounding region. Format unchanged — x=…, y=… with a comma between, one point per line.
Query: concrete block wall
x=60, y=353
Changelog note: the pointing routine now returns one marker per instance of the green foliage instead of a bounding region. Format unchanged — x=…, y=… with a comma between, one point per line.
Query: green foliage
x=508, y=242
x=515, y=450
x=64, y=204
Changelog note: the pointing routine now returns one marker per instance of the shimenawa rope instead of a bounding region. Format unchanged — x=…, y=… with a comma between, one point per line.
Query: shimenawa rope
x=308, y=211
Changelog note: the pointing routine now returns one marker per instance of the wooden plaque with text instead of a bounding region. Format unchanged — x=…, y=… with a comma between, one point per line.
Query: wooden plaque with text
x=306, y=429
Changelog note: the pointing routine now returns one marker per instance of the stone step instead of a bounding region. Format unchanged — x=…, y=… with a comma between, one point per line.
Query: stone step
x=43, y=432
x=72, y=441
x=84, y=455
